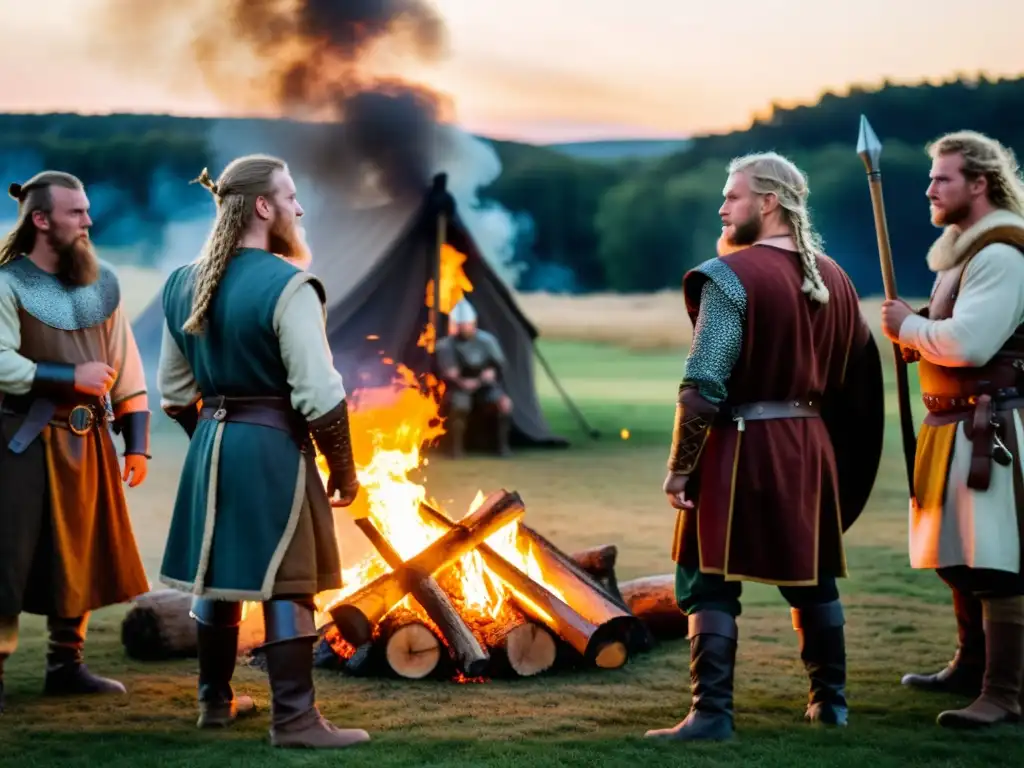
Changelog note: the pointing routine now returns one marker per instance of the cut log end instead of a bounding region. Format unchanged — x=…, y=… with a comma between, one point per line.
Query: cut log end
x=531, y=649
x=611, y=656
x=413, y=651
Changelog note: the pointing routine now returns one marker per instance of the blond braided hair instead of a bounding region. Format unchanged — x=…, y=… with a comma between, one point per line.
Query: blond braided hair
x=984, y=156
x=235, y=193
x=771, y=173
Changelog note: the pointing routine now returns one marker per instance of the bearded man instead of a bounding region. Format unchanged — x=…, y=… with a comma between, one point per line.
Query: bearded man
x=967, y=514
x=777, y=439
x=247, y=371
x=68, y=366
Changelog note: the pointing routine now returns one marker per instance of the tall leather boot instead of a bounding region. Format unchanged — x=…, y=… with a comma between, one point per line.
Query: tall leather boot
x=823, y=652
x=8, y=645
x=963, y=675
x=504, y=428
x=999, y=701
x=217, y=624
x=66, y=673
x=713, y=636
x=295, y=719
x=455, y=425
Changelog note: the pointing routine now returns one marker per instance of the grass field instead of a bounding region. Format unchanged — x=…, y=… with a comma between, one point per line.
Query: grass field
x=598, y=491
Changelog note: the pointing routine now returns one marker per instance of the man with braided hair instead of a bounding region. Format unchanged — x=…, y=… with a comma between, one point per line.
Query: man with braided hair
x=68, y=368
x=246, y=369
x=777, y=439
x=967, y=515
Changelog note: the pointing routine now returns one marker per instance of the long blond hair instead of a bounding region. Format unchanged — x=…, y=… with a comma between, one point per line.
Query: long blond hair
x=771, y=173
x=984, y=156
x=34, y=195
x=235, y=192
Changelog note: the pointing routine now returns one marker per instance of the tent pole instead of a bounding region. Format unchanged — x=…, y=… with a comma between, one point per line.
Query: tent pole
x=584, y=425
x=435, y=311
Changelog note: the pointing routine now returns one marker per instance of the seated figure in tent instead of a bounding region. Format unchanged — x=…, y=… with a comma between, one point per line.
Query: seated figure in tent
x=471, y=362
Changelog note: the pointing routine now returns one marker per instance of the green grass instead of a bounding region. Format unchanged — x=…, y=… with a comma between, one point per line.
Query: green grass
x=598, y=491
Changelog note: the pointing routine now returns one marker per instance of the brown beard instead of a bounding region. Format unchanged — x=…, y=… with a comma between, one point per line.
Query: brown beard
x=952, y=215
x=77, y=263
x=286, y=241
x=744, y=234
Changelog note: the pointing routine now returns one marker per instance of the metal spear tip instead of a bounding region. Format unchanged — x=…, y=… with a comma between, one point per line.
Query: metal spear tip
x=868, y=146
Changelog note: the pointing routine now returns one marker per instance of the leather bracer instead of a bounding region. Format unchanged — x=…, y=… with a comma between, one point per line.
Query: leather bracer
x=54, y=380
x=333, y=439
x=694, y=417
x=134, y=427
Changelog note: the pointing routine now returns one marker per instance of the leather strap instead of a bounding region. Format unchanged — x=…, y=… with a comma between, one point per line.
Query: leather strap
x=804, y=408
x=275, y=413
x=40, y=412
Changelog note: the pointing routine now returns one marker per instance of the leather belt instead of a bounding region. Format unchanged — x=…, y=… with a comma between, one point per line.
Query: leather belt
x=273, y=412
x=1003, y=399
x=40, y=412
x=798, y=408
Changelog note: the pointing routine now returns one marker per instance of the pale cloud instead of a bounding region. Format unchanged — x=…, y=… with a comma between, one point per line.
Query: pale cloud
x=539, y=69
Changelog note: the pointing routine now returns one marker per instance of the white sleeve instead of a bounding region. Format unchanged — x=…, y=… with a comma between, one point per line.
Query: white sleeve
x=316, y=385
x=176, y=382
x=987, y=312
x=17, y=373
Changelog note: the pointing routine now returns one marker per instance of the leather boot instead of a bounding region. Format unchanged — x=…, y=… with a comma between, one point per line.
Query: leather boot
x=504, y=428
x=823, y=652
x=713, y=636
x=455, y=425
x=66, y=673
x=999, y=701
x=295, y=719
x=218, y=651
x=963, y=675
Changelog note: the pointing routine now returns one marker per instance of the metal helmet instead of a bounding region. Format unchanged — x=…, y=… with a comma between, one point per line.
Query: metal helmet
x=463, y=312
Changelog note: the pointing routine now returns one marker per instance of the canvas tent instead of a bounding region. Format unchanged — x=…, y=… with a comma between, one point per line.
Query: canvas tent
x=375, y=271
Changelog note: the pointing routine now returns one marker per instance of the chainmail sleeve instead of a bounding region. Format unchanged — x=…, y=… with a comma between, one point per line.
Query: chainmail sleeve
x=717, y=339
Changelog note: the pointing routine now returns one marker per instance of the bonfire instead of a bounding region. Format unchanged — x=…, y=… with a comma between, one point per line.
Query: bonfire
x=440, y=596
x=463, y=598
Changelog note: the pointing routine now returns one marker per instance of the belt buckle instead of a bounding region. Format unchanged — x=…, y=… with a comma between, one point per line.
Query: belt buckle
x=81, y=420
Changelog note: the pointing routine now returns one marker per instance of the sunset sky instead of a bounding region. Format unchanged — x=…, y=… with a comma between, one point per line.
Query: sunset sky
x=546, y=70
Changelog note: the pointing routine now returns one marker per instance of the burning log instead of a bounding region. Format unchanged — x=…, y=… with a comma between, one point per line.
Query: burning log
x=599, y=642
x=653, y=600
x=520, y=647
x=158, y=626
x=411, y=648
x=466, y=650
x=357, y=614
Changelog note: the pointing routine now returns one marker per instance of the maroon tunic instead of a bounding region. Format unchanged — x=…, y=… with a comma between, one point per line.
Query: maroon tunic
x=767, y=497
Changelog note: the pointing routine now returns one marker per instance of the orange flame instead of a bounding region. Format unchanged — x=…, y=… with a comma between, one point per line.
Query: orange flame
x=390, y=426
x=454, y=286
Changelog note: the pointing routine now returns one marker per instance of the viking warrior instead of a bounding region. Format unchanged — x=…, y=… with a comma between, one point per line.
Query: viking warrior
x=472, y=363
x=69, y=372
x=246, y=370
x=967, y=514
x=782, y=399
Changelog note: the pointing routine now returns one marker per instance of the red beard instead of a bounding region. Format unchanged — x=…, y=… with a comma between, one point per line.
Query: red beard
x=77, y=263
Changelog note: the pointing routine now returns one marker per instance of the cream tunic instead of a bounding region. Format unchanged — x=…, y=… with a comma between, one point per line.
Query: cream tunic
x=973, y=528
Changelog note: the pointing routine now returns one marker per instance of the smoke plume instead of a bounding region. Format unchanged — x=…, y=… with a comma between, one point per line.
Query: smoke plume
x=338, y=64
x=329, y=61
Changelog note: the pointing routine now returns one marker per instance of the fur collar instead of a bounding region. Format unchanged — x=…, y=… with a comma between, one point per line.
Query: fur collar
x=949, y=249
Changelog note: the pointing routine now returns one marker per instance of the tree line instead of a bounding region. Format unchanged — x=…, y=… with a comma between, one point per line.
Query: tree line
x=629, y=225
